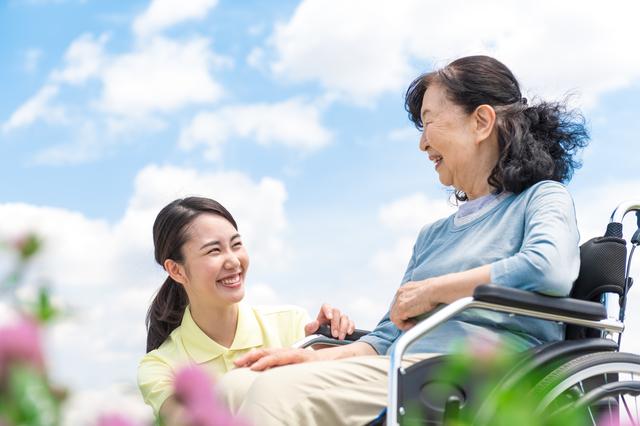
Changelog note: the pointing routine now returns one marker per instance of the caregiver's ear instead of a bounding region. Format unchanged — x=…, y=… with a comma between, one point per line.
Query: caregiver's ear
x=175, y=270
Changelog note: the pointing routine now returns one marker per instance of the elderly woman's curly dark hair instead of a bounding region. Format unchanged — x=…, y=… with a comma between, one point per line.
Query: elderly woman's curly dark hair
x=537, y=142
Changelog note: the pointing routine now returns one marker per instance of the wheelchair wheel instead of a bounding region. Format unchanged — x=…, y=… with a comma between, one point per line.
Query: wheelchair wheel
x=606, y=384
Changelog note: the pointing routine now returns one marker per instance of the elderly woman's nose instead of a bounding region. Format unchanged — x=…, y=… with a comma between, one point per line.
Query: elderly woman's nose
x=423, y=145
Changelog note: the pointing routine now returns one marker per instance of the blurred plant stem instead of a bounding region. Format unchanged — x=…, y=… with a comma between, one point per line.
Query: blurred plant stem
x=26, y=397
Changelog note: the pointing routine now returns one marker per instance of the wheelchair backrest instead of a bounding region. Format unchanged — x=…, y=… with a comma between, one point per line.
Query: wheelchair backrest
x=602, y=270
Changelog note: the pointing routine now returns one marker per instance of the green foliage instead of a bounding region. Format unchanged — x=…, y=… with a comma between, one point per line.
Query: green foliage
x=27, y=400
x=496, y=404
x=25, y=249
x=43, y=310
x=28, y=246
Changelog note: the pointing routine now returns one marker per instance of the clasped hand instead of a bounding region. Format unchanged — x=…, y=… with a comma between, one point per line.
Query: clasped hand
x=412, y=299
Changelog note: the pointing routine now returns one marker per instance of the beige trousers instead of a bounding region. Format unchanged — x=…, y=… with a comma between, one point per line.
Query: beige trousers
x=350, y=391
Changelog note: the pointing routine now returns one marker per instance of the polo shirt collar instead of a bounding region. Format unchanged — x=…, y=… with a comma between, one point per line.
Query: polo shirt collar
x=202, y=348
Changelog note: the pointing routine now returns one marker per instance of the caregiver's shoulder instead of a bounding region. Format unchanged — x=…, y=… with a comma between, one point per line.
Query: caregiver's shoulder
x=281, y=312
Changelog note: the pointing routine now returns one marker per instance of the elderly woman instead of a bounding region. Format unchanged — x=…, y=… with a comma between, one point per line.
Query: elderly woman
x=506, y=160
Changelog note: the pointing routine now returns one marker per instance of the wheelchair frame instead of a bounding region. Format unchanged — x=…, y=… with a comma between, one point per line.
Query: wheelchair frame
x=514, y=302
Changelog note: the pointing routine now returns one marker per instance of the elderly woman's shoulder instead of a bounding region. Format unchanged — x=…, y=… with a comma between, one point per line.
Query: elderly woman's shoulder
x=545, y=192
x=547, y=186
x=435, y=226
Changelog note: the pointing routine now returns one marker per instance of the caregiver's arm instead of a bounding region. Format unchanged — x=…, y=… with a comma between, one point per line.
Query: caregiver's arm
x=262, y=359
x=172, y=412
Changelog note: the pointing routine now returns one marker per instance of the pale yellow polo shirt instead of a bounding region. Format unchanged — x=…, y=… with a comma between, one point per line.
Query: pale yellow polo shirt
x=258, y=327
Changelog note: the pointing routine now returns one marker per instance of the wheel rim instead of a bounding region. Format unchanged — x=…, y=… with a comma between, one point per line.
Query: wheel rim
x=574, y=383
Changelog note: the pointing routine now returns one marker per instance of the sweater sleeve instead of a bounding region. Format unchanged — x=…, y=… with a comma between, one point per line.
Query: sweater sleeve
x=549, y=258
x=385, y=333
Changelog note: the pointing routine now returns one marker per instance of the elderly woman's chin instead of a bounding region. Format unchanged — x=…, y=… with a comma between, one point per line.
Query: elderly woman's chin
x=444, y=177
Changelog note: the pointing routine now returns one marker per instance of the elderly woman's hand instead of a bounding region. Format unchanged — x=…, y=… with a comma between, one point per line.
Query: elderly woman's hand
x=341, y=324
x=412, y=299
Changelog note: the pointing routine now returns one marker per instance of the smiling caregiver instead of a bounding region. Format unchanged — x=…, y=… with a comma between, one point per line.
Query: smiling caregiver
x=198, y=316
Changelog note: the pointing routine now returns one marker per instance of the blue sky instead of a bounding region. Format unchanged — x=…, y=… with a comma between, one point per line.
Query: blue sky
x=288, y=112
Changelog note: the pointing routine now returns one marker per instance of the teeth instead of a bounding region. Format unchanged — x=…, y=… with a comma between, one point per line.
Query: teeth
x=231, y=280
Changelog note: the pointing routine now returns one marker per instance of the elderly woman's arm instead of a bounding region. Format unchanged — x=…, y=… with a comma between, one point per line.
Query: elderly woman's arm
x=547, y=262
x=418, y=297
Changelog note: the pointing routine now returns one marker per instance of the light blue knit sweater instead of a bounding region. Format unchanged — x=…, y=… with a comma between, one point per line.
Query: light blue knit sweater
x=530, y=240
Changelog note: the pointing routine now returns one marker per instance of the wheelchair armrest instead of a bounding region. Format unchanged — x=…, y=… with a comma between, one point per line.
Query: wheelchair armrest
x=323, y=337
x=565, y=306
x=325, y=330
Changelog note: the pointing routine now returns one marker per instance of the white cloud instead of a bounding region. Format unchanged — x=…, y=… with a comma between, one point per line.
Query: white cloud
x=402, y=220
x=255, y=58
x=374, y=45
x=85, y=147
x=404, y=134
x=594, y=217
x=37, y=107
x=106, y=272
x=409, y=214
x=86, y=407
x=291, y=123
x=32, y=60
x=160, y=75
x=262, y=294
x=361, y=56
x=84, y=59
x=163, y=14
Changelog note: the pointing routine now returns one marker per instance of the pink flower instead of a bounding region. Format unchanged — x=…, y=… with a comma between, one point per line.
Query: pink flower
x=114, y=420
x=20, y=343
x=194, y=389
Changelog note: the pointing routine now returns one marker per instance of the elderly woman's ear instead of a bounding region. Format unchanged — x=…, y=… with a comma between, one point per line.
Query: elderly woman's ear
x=484, y=120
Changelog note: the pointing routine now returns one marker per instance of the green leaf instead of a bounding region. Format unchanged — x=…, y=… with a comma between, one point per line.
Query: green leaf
x=30, y=246
x=30, y=399
x=44, y=311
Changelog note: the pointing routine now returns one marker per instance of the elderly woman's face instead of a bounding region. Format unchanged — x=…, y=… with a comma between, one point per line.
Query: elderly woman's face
x=447, y=136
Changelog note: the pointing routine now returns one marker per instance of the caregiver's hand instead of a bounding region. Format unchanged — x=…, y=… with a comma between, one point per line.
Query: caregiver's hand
x=262, y=359
x=341, y=324
x=412, y=299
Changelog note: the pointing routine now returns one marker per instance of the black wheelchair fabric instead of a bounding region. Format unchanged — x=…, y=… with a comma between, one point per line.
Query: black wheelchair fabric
x=602, y=270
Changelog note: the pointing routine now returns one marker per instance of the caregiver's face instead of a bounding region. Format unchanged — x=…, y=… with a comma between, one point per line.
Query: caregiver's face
x=215, y=261
x=446, y=135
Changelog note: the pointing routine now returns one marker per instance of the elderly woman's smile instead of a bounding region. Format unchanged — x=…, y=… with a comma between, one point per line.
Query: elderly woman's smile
x=436, y=158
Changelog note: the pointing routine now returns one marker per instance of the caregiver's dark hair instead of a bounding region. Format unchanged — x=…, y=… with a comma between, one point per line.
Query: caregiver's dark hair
x=170, y=232
x=537, y=142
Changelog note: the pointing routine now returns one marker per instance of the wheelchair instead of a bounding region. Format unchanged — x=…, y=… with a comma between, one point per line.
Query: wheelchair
x=585, y=371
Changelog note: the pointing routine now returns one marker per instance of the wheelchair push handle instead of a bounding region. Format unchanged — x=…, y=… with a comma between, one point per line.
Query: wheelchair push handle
x=614, y=228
